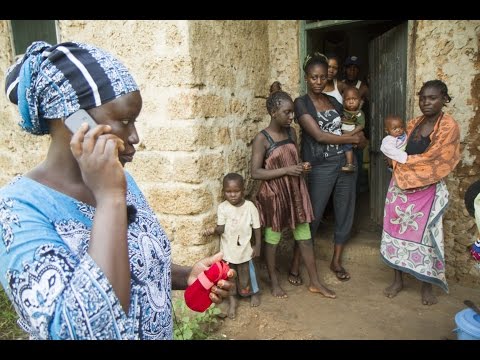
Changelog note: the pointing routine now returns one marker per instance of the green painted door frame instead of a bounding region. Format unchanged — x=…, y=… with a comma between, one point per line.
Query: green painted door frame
x=303, y=48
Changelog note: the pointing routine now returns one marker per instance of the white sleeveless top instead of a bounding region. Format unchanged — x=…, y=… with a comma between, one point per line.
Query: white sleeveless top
x=335, y=93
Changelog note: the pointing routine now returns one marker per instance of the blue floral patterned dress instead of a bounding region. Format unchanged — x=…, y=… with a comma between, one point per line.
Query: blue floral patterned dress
x=58, y=291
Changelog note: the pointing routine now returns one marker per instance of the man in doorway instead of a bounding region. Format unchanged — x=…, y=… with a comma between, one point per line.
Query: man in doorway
x=352, y=71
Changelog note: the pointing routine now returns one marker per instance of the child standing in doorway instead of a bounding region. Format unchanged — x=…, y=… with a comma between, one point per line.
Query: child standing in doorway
x=353, y=121
x=282, y=199
x=236, y=218
x=394, y=144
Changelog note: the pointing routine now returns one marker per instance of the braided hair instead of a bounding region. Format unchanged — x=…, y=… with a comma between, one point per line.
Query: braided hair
x=277, y=95
x=437, y=84
x=314, y=59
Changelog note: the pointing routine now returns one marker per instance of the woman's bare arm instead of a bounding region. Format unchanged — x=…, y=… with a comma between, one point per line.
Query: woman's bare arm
x=309, y=125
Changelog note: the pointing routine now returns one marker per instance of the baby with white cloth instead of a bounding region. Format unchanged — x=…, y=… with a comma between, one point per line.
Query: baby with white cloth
x=394, y=144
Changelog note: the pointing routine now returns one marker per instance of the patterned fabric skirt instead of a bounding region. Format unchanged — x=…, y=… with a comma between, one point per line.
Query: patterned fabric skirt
x=412, y=237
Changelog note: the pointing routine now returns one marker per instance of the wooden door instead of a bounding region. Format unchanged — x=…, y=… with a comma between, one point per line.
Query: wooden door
x=388, y=76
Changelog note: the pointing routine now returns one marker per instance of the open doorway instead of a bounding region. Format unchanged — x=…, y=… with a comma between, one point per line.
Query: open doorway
x=381, y=47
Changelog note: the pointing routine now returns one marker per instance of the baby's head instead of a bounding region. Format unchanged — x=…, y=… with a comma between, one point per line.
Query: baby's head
x=233, y=188
x=394, y=125
x=351, y=99
x=470, y=195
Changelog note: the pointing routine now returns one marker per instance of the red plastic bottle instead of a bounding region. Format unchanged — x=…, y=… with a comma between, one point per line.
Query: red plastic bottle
x=197, y=295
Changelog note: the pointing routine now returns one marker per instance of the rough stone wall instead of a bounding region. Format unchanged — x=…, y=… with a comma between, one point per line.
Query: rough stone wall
x=232, y=82
x=449, y=50
x=284, y=57
x=166, y=164
x=284, y=54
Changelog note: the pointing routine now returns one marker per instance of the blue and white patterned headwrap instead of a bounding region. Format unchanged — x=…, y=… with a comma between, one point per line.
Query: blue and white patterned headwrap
x=52, y=82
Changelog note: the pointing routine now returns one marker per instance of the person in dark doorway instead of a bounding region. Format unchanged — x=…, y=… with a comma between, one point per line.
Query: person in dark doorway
x=75, y=263
x=334, y=87
x=352, y=72
x=319, y=116
x=417, y=197
x=282, y=199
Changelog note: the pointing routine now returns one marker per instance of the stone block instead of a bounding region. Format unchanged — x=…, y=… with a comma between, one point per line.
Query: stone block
x=197, y=167
x=188, y=229
x=151, y=166
x=185, y=138
x=178, y=199
x=189, y=255
x=238, y=158
x=192, y=104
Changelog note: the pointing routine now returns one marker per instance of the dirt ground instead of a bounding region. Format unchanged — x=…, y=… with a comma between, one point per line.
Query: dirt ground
x=359, y=312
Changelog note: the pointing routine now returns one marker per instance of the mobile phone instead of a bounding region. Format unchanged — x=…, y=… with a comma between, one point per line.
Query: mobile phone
x=74, y=121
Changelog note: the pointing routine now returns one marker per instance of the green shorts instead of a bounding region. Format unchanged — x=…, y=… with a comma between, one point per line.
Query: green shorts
x=301, y=232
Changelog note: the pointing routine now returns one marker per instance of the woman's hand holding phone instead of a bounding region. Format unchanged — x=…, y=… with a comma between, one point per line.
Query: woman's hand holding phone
x=96, y=151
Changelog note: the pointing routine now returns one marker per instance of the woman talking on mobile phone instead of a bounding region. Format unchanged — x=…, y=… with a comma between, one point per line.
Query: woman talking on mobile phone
x=73, y=262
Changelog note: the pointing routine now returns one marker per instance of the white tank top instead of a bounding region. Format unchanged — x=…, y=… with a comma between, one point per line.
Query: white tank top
x=335, y=93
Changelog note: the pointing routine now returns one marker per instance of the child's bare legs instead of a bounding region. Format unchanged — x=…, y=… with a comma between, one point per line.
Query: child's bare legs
x=243, y=276
x=270, y=256
x=428, y=298
x=306, y=250
x=349, y=167
x=396, y=286
x=294, y=277
x=232, y=298
x=241, y=285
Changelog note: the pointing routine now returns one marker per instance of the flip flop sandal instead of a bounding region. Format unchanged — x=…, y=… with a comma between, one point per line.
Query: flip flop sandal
x=295, y=279
x=341, y=274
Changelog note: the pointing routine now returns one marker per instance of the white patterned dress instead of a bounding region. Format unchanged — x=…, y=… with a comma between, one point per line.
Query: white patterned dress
x=58, y=291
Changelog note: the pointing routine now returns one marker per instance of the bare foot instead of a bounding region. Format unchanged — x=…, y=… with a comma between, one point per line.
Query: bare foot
x=232, y=309
x=278, y=292
x=223, y=309
x=320, y=289
x=428, y=298
x=393, y=290
x=254, y=300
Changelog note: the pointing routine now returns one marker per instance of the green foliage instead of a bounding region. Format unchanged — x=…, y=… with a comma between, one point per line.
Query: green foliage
x=189, y=325
x=9, y=329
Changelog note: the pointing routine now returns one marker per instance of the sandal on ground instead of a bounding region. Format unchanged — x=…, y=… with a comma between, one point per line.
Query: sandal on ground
x=341, y=274
x=295, y=279
x=350, y=168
